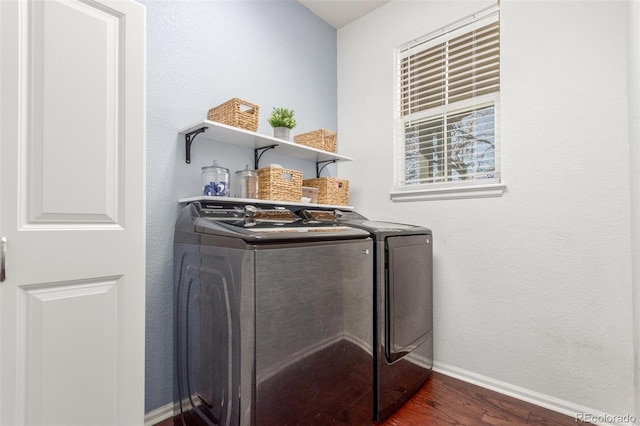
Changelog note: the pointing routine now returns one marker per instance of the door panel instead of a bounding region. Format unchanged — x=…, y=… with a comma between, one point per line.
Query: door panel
x=73, y=127
x=72, y=209
x=71, y=333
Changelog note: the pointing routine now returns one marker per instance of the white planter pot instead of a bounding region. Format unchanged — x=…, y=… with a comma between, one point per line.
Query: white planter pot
x=281, y=133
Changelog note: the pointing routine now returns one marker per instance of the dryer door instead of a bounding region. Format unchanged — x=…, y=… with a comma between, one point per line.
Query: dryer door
x=409, y=307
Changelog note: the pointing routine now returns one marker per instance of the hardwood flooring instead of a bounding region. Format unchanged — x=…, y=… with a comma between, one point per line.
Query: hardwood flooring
x=445, y=401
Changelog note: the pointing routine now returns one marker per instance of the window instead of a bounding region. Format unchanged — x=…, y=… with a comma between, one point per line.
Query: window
x=448, y=95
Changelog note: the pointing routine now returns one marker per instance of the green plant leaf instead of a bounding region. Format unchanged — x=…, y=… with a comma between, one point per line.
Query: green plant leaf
x=282, y=117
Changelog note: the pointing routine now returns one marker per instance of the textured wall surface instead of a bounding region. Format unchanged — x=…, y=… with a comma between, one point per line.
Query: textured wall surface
x=200, y=54
x=532, y=289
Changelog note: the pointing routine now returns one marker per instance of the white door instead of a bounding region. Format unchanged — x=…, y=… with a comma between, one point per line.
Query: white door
x=72, y=129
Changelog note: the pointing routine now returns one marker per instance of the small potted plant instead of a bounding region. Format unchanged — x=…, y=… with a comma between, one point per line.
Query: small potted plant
x=282, y=121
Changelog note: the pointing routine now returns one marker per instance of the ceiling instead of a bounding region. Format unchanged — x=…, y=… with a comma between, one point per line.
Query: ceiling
x=339, y=13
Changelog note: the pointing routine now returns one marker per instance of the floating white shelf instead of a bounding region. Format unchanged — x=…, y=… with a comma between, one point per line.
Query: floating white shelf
x=232, y=135
x=259, y=202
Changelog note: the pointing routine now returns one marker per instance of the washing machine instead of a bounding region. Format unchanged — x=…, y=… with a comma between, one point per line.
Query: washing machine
x=403, y=315
x=274, y=318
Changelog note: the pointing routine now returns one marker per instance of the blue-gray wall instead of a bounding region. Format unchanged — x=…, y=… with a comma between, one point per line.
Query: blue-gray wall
x=200, y=54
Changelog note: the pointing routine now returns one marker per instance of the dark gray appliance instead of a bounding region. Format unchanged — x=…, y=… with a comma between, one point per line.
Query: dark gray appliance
x=274, y=318
x=403, y=282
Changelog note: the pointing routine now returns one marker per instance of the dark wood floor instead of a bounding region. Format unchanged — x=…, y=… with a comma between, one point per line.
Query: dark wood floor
x=444, y=401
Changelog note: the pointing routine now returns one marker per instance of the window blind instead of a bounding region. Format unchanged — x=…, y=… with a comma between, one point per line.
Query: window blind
x=450, y=67
x=448, y=86
x=460, y=146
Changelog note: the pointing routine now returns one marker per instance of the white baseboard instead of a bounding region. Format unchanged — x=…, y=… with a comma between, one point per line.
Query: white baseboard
x=536, y=398
x=159, y=414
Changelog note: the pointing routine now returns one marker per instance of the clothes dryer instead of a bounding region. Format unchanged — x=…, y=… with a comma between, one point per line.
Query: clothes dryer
x=403, y=315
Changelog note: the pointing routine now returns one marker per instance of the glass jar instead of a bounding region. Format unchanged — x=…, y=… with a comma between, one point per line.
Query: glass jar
x=246, y=183
x=215, y=180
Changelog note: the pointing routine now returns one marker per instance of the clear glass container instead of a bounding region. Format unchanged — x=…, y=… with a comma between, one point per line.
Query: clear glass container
x=246, y=183
x=215, y=180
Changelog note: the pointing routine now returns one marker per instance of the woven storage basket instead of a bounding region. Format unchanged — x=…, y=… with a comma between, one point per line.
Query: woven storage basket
x=276, y=183
x=236, y=113
x=320, y=139
x=332, y=190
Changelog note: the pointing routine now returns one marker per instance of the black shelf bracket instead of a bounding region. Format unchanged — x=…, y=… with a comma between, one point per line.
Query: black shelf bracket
x=320, y=169
x=189, y=137
x=257, y=153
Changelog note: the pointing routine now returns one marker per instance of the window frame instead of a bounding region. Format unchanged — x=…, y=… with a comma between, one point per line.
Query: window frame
x=490, y=187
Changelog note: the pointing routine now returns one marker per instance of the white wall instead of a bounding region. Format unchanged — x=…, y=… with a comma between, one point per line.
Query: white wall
x=200, y=54
x=634, y=161
x=533, y=290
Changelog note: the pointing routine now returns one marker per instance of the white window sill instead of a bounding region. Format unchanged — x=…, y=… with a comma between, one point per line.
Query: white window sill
x=448, y=193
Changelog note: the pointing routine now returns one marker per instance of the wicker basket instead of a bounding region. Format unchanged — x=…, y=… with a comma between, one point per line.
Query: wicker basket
x=276, y=183
x=236, y=113
x=320, y=139
x=332, y=190
x=311, y=194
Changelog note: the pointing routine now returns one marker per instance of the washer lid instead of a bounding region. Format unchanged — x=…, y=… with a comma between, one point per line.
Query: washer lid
x=266, y=224
x=276, y=232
